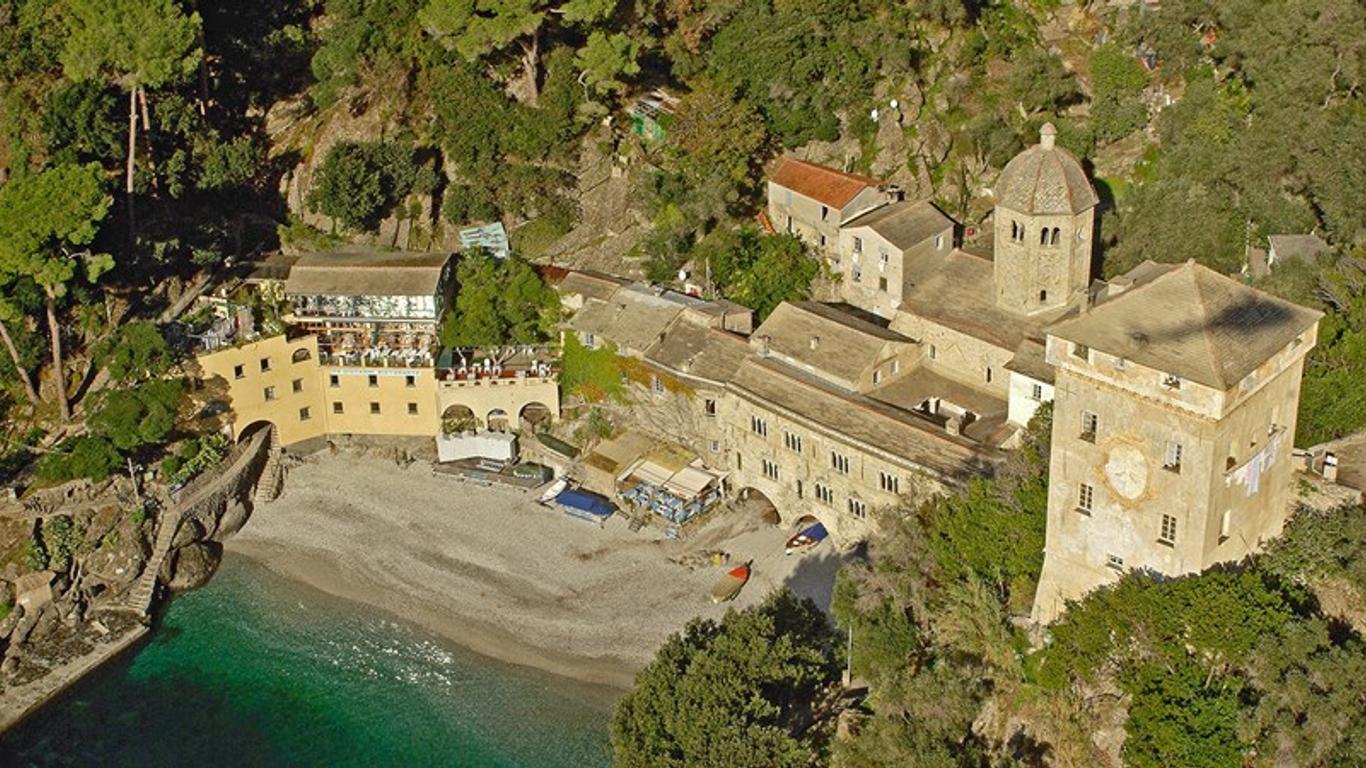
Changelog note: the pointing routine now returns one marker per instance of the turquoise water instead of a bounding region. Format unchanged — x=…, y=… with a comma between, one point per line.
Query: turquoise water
x=253, y=670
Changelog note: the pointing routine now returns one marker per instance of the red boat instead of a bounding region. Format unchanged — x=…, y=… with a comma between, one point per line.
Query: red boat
x=729, y=586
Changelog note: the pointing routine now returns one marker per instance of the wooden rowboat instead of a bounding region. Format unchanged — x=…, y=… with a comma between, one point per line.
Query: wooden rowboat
x=729, y=586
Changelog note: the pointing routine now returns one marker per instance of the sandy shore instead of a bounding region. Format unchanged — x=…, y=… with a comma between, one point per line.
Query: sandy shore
x=503, y=576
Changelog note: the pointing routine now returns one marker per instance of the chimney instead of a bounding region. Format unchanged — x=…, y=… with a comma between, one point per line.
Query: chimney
x=954, y=426
x=1047, y=135
x=815, y=341
x=763, y=345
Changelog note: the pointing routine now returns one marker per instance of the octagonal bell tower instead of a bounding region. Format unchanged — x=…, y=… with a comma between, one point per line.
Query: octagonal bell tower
x=1045, y=211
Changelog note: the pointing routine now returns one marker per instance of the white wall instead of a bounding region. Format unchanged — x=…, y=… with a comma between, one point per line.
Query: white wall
x=1022, y=403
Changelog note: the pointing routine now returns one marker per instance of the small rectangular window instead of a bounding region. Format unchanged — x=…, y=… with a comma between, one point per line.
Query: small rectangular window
x=988, y=375
x=374, y=407
x=758, y=426
x=656, y=385
x=714, y=446
x=825, y=212
x=410, y=380
x=1081, y=351
x=412, y=409
x=858, y=245
x=933, y=352
x=1167, y=535
x=882, y=284
x=896, y=366
x=1115, y=561
x=792, y=441
x=1225, y=525
x=1171, y=382
x=297, y=385
x=709, y=407
x=1085, y=498
x=1172, y=463
x=238, y=372
x=265, y=364
x=338, y=408
x=889, y=482
x=877, y=377
x=269, y=393
x=374, y=380
x=1090, y=425
x=304, y=415
x=770, y=469
x=333, y=380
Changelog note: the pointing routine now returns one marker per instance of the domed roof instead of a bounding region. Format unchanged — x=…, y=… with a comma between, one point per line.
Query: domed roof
x=1045, y=179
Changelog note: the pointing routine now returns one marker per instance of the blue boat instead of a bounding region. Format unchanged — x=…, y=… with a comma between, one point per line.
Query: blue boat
x=584, y=505
x=807, y=539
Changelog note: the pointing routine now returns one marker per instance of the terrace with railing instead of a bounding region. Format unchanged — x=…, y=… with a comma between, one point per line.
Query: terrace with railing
x=495, y=364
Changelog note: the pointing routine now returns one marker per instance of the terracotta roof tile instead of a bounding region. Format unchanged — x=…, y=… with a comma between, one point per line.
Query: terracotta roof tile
x=826, y=185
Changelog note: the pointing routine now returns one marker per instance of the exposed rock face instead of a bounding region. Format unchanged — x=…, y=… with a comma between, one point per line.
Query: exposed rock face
x=192, y=566
x=190, y=530
x=119, y=559
x=234, y=517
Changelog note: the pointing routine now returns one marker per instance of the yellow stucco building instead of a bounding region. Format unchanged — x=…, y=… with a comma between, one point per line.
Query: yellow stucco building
x=359, y=358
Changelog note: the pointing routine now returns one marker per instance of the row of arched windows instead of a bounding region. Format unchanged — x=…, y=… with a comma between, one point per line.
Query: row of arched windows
x=1047, y=236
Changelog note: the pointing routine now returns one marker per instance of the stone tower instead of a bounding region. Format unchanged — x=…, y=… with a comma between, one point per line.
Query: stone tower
x=1045, y=208
x=1173, y=425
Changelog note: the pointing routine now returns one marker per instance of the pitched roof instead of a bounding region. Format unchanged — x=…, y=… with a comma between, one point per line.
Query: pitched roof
x=1191, y=322
x=860, y=420
x=633, y=320
x=589, y=284
x=904, y=224
x=955, y=289
x=1045, y=179
x=365, y=273
x=696, y=350
x=825, y=185
x=824, y=339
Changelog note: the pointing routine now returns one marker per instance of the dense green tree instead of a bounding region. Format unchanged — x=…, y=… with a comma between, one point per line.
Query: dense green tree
x=81, y=121
x=133, y=418
x=359, y=183
x=499, y=301
x=478, y=27
x=1117, y=83
x=758, y=271
x=136, y=44
x=136, y=352
x=43, y=219
x=735, y=692
x=605, y=58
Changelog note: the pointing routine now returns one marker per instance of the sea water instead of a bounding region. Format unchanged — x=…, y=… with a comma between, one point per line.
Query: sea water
x=255, y=670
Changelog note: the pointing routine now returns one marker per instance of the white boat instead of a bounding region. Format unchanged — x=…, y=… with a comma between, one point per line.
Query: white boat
x=553, y=490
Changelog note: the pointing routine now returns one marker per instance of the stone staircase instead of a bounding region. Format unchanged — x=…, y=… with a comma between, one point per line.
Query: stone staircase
x=139, y=600
x=268, y=487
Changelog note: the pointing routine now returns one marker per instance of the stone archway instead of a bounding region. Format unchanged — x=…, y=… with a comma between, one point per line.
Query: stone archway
x=498, y=420
x=534, y=416
x=756, y=503
x=459, y=418
x=806, y=520
x=251, y=430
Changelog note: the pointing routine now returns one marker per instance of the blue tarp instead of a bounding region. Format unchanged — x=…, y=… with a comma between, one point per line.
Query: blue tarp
x=585, y=505
x=816, y=532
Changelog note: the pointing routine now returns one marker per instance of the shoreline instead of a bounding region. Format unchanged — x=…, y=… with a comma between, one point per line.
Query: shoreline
x=20, y=703
x=316, y=571
x=490, y=570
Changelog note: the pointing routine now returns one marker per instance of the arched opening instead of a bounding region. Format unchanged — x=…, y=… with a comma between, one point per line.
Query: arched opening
x=534, y=416
x=256, y=427
x=497, y=420
x=804, y=521
x=458, y=419
x=1043, y=296
x=301, y=354
x=753, y=502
